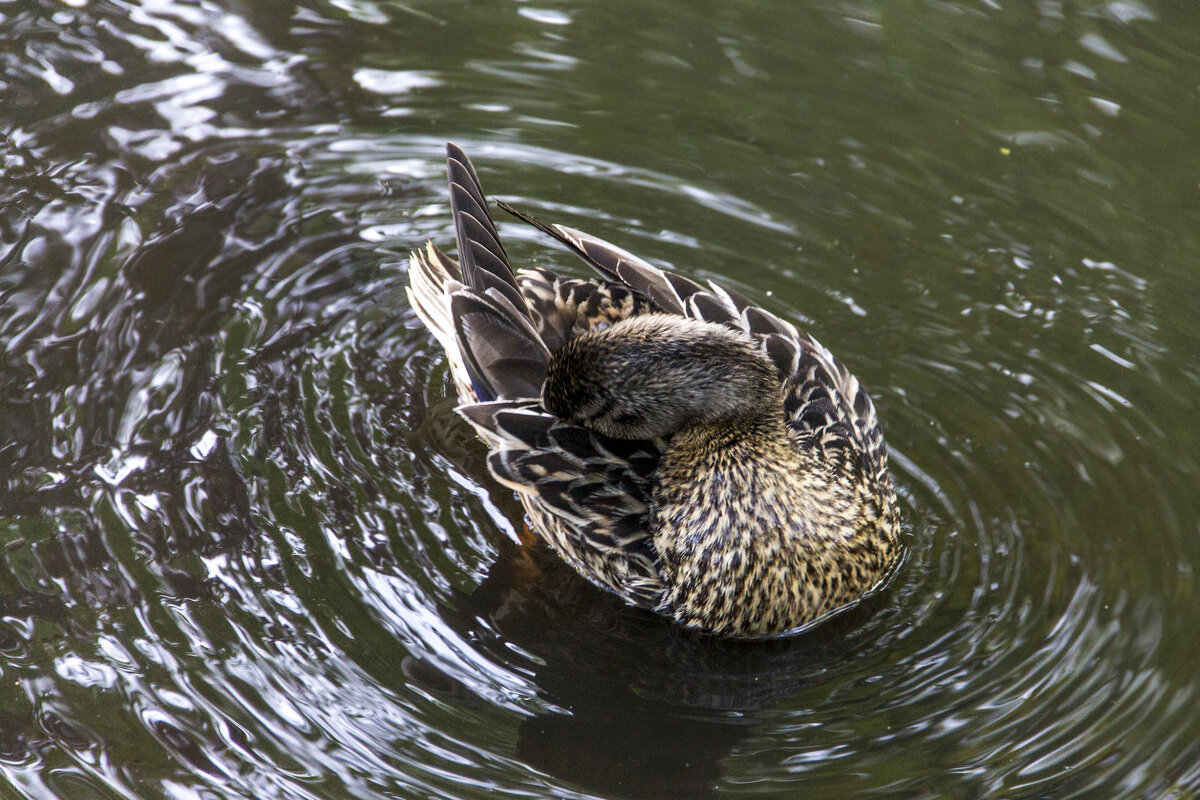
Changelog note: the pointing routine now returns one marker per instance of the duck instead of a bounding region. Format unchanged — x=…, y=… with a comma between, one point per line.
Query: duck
x=675, y=443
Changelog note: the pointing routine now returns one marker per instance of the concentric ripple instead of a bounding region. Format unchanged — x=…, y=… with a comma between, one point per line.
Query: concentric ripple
x=251, y=552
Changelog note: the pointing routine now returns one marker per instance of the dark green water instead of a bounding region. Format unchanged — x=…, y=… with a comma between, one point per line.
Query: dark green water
x=250, y=552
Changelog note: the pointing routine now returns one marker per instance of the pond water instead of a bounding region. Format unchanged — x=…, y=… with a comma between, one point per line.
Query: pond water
x=250, y=552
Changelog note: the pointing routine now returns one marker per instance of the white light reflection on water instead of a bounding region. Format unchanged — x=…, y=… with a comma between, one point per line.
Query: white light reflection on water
x=251, y=552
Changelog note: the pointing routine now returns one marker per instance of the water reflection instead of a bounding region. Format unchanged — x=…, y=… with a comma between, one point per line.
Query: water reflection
x=249, y=551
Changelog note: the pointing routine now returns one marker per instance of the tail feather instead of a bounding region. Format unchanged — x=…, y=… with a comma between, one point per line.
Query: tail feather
x=432, y=276
x=475, y=307
x=485, y=265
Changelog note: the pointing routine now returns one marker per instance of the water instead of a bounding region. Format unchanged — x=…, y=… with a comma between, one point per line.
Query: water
x=251, y=553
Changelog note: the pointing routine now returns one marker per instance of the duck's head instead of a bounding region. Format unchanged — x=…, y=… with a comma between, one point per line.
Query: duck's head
x=656, y=374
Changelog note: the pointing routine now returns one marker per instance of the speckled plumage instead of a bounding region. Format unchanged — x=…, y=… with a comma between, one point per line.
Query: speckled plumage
x=676, y=444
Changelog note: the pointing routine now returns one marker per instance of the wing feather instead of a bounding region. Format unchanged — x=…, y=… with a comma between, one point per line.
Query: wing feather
x=822, y=399
x=593, y=491
x=502, y=352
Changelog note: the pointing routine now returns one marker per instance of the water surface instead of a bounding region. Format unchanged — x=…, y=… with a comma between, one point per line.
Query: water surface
x=250, y=552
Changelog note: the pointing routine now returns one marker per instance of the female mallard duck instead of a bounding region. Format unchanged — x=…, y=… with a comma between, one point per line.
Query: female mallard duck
x=677, y=445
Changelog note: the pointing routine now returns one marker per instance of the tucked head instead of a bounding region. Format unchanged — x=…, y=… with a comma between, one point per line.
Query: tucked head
x=656, y=374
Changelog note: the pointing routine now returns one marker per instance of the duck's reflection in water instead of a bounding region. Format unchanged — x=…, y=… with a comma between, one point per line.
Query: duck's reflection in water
x=638, y=707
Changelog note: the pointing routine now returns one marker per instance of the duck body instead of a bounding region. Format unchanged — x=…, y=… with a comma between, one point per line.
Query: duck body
x=676, y=444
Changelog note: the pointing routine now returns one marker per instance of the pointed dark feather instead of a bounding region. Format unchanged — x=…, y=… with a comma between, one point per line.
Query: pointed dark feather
x=610, y=261
x=503, y=355
x=684, y=287
x=763, y=322
x=706, y=307
x=652, y=285
x=528, y=425
x=479, y=247
x=783, y=352
x=473, y=222
x=484, y=248
x=557, y=232
x=460, y=170
x=740, y=301
x=483, y=414
x=490, y=282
